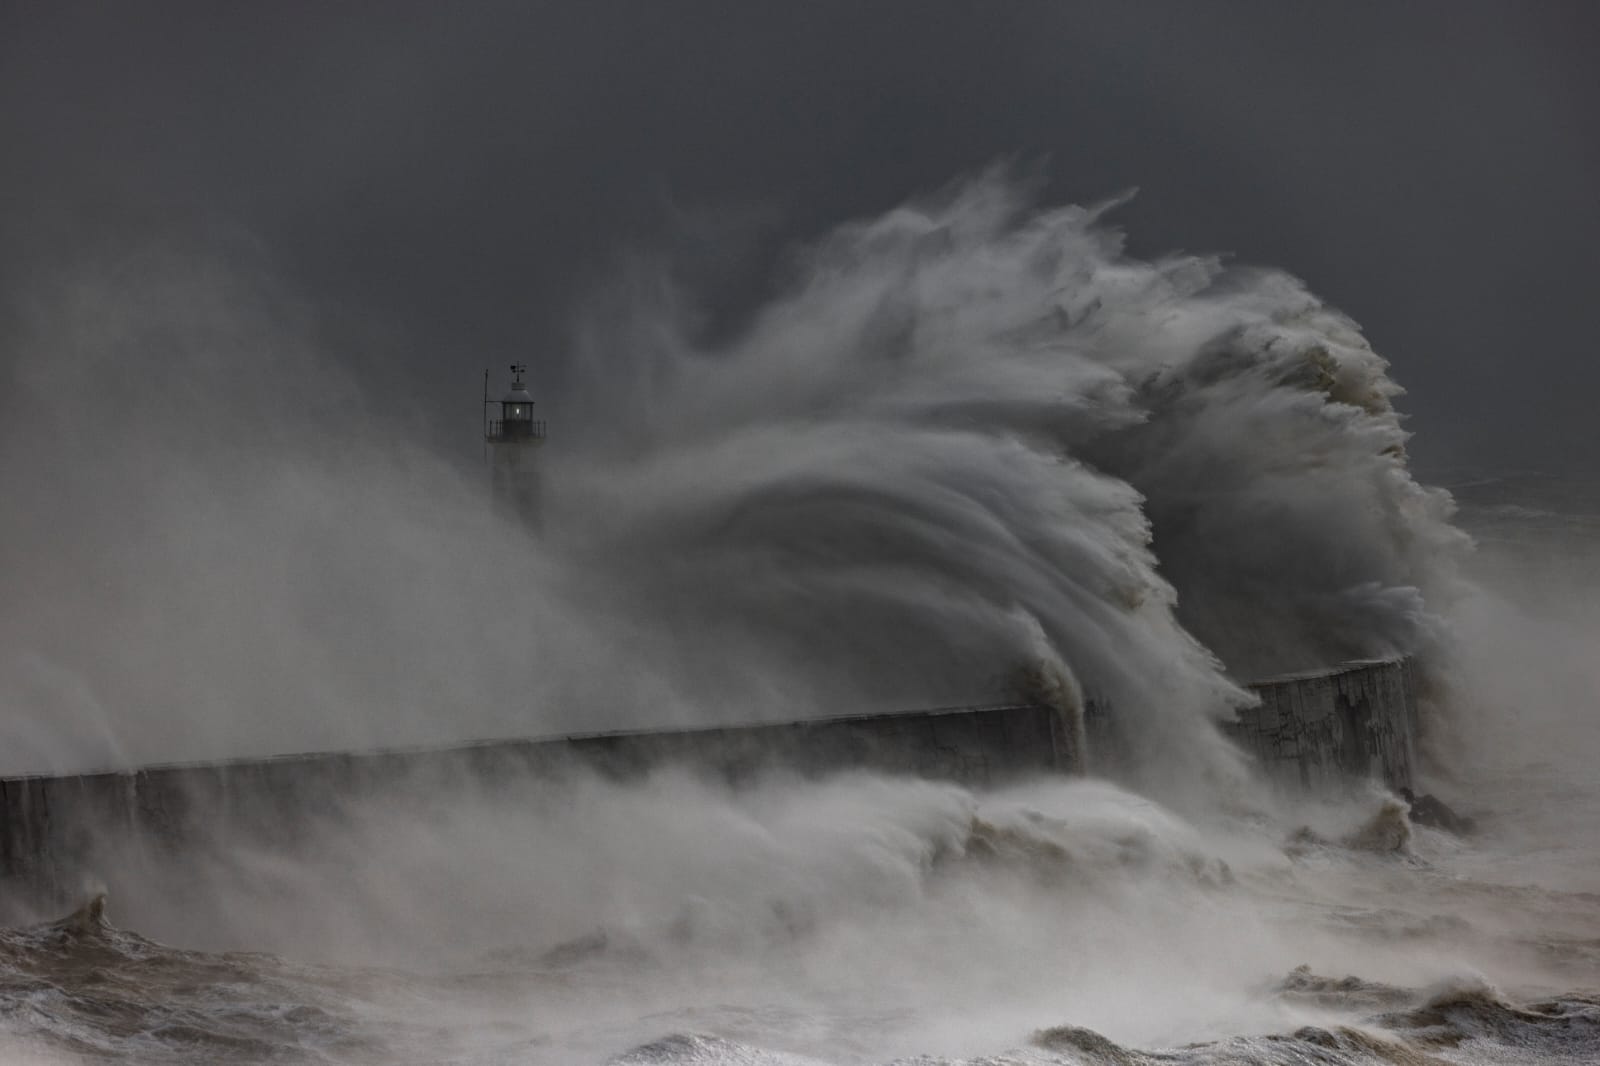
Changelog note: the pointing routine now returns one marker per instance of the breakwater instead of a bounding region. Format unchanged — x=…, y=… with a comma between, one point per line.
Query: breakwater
x=1321, y=729
x=1311, y=730
x=56, y=831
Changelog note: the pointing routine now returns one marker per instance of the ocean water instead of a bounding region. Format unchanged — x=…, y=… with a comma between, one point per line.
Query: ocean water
x=967, y=439
x=870, y=920
x=866, y=919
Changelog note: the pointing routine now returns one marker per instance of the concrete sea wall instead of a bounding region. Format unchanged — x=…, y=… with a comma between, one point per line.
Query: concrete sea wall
x=55, y=832
x=1314, y=730
x=1322, y=729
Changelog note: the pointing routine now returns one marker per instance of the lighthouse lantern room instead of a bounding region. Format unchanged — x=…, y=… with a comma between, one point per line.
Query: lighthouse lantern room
x=516, y=422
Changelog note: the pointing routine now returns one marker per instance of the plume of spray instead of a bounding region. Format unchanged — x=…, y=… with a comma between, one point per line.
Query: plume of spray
x=970, y=437
x=216, y=544
x=933, y=456
x=973, y=427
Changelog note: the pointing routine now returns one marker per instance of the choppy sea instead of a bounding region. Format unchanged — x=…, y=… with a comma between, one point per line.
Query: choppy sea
x=865, y=919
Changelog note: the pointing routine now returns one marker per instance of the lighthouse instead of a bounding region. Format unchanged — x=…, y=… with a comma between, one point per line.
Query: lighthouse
x=512, y=438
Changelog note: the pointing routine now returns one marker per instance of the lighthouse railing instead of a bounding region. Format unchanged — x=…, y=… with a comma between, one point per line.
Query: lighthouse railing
x=497, y=433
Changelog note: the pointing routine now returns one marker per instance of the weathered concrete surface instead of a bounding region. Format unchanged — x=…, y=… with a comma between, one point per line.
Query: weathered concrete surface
x=1324, y=729
x=55, y=830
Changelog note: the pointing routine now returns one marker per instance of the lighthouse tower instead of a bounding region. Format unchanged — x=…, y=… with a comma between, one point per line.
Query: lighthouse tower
x=512, y=437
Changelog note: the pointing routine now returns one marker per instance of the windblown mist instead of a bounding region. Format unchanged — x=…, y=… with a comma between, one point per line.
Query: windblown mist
x=968, y=439
x=954, y=442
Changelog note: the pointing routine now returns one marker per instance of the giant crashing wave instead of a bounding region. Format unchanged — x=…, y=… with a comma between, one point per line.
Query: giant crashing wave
x=969, y=435
x=975, y=431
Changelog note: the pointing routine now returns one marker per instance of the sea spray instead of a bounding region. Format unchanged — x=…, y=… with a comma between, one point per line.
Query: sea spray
x=961, y=419
x=970, y=438
x=931, y=458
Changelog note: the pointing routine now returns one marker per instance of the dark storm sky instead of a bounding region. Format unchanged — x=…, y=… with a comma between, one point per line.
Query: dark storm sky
x=444, y=180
